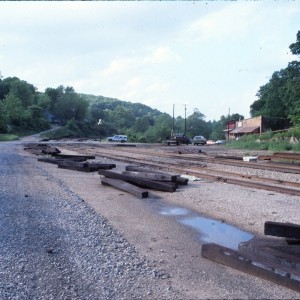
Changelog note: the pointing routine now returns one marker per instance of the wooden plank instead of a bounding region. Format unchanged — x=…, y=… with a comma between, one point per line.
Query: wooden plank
x=50, y=160
x=251, y=265
x=72, y=163
x=264, y=157
x=124, y=145
x=285, y=155
x=229, y=157
x=84, y=166
x=97, y=166
x=181, y=180
x=79, y=159
x=287, y=230
x=74, y=168
x=71, y=156
x=50, y=150
x=273, y=250
x=178, y=179
x=125, y=186
x=160, y=186
x=39, y=149
x=143, y=169
x=288, y=256
x=152, y=176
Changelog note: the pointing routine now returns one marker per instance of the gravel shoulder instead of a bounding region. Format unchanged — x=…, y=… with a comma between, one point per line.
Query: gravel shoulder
x=54, y=245
x=174, y=250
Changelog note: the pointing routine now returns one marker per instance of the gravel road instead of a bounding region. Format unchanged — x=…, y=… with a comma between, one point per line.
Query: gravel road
x=65, y=236
x=55, y=246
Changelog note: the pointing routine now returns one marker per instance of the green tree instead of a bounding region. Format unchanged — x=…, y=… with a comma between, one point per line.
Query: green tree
x=70, y=105
x=141, y=124
x=280, y=96
x=43, y=100
x=162, y=127
x=295, y=47
x=217, y=131
x=3, y=118
x=196, y=124
x=123, y=118
x=23, y=91
x=14, y=112
x=54, y=95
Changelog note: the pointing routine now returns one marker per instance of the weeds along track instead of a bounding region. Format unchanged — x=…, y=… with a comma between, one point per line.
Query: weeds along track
x=199, y=165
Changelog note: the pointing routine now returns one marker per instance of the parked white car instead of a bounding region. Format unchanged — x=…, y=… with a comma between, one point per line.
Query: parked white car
x=220, y=142
x=118, y=138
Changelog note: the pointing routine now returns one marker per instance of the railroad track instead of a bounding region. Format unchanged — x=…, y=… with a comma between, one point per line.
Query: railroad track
x=194, y=165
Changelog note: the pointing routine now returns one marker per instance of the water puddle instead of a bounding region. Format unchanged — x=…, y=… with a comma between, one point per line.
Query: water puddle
x=210, y=231
x=174, y=211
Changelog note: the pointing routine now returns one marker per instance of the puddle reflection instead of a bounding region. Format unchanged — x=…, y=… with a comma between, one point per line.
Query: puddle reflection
x=212, y=231
x=174, y=211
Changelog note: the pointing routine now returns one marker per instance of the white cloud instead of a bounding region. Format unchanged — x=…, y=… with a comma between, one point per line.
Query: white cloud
x=162, y=55
x=156, y=53
x=229, y=22
x=118, y=65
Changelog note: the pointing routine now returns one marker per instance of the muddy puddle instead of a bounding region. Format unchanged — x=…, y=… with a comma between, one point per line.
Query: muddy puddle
x=209, y=230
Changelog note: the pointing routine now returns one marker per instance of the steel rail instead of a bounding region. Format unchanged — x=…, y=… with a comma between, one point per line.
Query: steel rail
x=254, y=165
x=253, y=182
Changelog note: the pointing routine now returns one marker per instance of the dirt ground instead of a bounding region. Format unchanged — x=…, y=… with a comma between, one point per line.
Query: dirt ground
x=154, y=226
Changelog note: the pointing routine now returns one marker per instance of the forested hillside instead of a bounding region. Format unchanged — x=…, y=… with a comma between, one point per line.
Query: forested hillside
x=23, y=109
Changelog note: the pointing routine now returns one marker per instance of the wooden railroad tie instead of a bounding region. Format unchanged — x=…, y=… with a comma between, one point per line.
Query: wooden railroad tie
x=274, y=259
x=142, y=171
x=74, y=156
x=250, y=264
x=85, y=166
x=41, y=149
x=287, y=230
x=77, y=165
x=125, y=186
x=145, y=183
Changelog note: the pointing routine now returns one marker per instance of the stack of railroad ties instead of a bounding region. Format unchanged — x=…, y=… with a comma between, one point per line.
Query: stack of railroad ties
x=133, y=180
x=275, y=258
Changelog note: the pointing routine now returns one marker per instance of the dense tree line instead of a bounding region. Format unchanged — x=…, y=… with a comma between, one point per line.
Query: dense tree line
x=280, y=97
x=23, y=109
x=21, y=106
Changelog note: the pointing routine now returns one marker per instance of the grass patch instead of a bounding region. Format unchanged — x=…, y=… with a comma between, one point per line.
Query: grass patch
x=8, y=137
x=59, y=133
x=276, y=142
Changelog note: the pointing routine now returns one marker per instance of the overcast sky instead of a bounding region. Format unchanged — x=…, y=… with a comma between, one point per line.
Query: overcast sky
x=210, y=55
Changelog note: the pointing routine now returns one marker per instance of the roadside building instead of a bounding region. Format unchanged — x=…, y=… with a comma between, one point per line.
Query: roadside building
x=255, y=125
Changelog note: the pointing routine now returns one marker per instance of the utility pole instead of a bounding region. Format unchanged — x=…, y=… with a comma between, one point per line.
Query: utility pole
x=173, y=121
x=228, y=125
x=100, y=123
x=184, y=119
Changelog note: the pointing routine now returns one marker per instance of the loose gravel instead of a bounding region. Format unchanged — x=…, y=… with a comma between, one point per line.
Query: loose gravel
x=68, y=237
x=54, y=245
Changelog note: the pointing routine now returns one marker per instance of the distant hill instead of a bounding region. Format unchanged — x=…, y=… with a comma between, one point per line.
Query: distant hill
x=106, y=103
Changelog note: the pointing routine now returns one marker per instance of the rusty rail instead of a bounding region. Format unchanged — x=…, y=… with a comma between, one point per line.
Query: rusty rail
x=198, y=170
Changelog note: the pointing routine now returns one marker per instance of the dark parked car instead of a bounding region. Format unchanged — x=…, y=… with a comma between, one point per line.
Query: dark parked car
x=199, y=140
x=178, y=138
